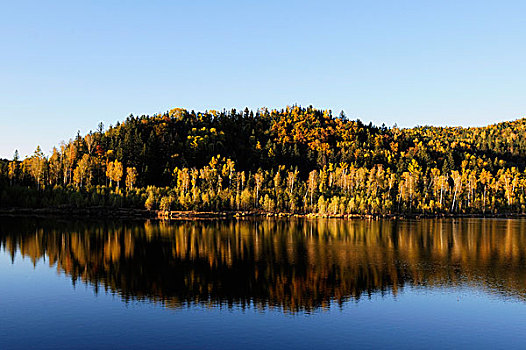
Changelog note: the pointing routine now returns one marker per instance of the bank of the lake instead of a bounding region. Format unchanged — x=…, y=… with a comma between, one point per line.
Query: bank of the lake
x=133, y=213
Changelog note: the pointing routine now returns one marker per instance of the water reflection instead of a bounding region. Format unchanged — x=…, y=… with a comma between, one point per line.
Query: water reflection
x=292, y=265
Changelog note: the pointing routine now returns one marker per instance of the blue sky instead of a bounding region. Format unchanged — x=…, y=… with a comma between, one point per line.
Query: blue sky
x=66, y=66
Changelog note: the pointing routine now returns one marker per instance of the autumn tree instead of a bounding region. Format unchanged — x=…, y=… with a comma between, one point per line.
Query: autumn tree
x=81, y=172
x=37, y=164
x=258, y=181
x=131, y=177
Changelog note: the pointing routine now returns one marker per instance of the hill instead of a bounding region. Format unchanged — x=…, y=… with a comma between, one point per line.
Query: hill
x=294, y=160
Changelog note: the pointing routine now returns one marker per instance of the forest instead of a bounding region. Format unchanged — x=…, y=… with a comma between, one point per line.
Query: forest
x=295, y=160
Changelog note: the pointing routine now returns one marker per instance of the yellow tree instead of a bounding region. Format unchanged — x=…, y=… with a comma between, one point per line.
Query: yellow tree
x=109, y=172
x=443, y=185
x=12, y=170
x=457, y=187
x=37, y=164
x=434, y=181
x=117, y=172
x=485, y=180
x=409, y=181
x=69, y=154
x=291, y=180
x=509, y=179
x=312, y=183
x=183, y=179
x=228, y=170
x=406, y=188
x=55, y=167
x=258, y=180
x=90, y=142
x=472, y=181
x=80, y=174
x=131, y=177
x=195, y=189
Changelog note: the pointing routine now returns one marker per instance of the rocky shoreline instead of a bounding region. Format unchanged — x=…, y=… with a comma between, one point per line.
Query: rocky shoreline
x=128, y=214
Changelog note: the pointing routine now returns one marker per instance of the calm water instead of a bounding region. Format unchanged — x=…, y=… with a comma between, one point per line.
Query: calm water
x=263, y=284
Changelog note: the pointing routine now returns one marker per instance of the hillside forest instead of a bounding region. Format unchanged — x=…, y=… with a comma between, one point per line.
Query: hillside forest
x=293, y=160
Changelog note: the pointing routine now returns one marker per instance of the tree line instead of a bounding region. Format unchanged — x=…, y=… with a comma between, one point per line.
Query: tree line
x=298, y=160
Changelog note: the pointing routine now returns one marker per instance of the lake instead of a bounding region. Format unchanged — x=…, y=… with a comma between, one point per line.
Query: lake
x=297, y=283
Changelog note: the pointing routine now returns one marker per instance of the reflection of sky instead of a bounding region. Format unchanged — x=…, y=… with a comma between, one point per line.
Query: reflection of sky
x=40, y=307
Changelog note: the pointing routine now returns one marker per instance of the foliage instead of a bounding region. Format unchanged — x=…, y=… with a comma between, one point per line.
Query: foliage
x=292, y=160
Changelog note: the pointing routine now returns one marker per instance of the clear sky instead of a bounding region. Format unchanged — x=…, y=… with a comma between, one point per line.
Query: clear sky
x=67, y=65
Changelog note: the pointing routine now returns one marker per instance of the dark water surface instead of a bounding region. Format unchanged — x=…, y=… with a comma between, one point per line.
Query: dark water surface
x=263, y=284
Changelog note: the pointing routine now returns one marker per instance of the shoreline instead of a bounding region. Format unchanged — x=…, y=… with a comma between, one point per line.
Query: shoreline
x=144, y=214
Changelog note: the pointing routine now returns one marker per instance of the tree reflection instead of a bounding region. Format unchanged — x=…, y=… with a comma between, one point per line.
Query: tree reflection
x=293, y=265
